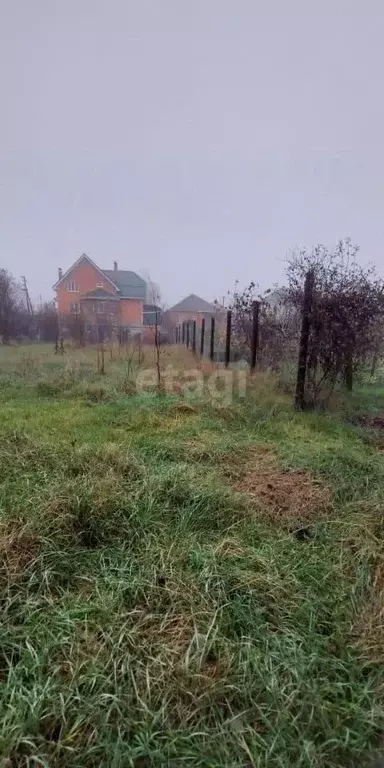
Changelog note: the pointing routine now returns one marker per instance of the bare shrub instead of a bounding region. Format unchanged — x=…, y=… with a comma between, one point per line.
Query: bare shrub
x=278, y=326
x=347, y=309
x=346, y=320
x=12, y=311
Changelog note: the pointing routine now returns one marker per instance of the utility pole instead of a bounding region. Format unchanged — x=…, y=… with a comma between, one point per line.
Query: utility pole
x=27, y=297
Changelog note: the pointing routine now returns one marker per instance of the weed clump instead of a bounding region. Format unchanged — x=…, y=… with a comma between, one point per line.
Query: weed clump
x=51, y=388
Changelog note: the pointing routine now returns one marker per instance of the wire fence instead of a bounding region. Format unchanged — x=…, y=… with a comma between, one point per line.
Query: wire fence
x=264, y=342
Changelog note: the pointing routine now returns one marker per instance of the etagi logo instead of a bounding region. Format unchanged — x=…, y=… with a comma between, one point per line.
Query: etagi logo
x=219, y=386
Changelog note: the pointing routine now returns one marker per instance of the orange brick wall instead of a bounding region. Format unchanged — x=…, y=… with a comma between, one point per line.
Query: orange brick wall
x=131, y=311
x=85, y=277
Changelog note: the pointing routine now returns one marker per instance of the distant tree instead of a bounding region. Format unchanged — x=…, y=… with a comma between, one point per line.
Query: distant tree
x=153, y=293
x=12, y=311
x=46, y=321
x=240, y=302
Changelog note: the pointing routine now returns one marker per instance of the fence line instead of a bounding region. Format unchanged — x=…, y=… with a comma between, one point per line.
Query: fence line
x=186, y=333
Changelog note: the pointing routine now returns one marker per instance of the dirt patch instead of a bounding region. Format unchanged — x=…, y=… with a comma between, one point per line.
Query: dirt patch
x=369, y=422
x=292, y=494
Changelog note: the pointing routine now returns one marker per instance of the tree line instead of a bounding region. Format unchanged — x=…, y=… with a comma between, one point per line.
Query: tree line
x=17, y=321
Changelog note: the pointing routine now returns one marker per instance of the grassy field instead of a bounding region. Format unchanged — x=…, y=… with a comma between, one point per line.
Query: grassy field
x=185, y=584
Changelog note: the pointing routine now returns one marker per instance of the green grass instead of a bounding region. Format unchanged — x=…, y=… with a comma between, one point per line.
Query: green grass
x=152, y=616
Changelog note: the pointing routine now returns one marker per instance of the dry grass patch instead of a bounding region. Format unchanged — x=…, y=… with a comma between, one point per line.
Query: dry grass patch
x=183, y=408
x=201, y=447
x=232, y=548
x=368, y=630
x=206, y=366
x=282, y=493
x=18, y=549
x=368, y=421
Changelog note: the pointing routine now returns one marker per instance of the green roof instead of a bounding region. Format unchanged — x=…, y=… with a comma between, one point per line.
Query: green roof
x=129, y=283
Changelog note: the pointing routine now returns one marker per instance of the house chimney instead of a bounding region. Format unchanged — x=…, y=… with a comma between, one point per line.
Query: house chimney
x=115, y=266
x=60, y=273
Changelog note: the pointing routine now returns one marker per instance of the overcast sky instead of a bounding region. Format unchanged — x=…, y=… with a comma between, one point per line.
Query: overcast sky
x=195, y=140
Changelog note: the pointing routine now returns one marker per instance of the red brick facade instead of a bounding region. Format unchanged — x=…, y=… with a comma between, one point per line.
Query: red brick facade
x=131, y=311
x=85, y=278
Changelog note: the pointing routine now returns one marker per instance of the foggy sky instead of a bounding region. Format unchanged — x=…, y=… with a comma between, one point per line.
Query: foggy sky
x=194, y=140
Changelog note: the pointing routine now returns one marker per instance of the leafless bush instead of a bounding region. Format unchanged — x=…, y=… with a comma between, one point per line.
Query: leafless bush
x=346, y=315
x=46, y=321
x=278, y=326
x=13, y=322
x=346, y=319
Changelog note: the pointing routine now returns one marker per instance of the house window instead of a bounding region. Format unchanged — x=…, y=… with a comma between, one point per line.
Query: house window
x=99, y=285
x=74, y=308
x=71, y=286
x=98, y=308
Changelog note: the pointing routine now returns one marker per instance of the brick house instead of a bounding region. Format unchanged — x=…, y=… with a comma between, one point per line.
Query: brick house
x=103, y=297
x=193, y=308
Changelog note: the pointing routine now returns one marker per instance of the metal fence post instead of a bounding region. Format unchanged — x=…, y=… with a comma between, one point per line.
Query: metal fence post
x=202, y=336
x=187, y=334
x=304, y=340
x=228, y=339
x=194, y=337
x=212, y=345
x=255, y=334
